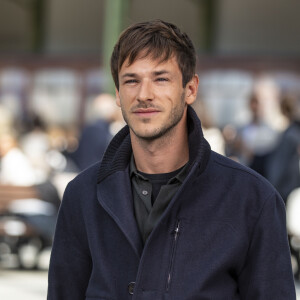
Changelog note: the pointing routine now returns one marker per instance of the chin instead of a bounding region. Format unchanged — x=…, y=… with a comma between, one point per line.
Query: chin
x=146, y=136
x=150, y=135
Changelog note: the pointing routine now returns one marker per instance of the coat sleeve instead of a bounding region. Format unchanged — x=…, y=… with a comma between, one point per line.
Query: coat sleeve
x=70, y=263
x=267, y=273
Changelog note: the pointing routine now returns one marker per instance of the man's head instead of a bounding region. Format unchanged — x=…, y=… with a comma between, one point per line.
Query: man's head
x=160, y=41
x=153, y=65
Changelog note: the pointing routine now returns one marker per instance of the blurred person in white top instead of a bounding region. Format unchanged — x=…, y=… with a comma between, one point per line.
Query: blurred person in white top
x=35, y=144
x=212, y=133
x=15, y=167
x=254, y=141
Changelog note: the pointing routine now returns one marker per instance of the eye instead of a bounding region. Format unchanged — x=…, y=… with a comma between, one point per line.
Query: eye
x=161, y=79
x=130, y=81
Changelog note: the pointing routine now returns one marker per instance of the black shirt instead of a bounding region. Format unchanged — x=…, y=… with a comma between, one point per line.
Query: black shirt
x=152, y=194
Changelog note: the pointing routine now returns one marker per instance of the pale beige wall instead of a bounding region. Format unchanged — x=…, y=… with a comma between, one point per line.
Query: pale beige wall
x=243, y=27
x=259, y=26
x=184, y=13
x=14, y=28
x=74, y=26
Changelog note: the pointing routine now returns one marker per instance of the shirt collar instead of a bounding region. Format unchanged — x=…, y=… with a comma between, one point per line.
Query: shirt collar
x=133, y=170
x=179, y=177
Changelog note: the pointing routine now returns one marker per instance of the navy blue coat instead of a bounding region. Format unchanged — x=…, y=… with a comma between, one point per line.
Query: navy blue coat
x=222, y=237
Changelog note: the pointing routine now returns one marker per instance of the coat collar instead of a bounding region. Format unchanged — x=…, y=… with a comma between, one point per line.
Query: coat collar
x=114, y=187
x=118, y=153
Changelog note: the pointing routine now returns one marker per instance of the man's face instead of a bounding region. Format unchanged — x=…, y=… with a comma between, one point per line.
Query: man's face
x=152, y=98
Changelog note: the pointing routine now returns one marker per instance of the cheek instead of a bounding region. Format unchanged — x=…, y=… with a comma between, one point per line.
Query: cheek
x=125, y=97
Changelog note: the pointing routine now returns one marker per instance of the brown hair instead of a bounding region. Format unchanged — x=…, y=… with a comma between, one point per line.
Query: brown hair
x=160, y=40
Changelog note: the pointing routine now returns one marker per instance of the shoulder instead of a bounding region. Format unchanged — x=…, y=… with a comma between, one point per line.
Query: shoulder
x=233, y=167
x=241, y=178
x=245, y=194
x=85, y=181
x=80, y=193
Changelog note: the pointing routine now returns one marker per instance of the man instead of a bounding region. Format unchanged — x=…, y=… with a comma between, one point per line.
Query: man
x=283, y=165
x=162, y=216
x=96, y=136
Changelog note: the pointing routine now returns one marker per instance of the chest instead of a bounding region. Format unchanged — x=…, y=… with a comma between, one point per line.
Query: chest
x=194, y=249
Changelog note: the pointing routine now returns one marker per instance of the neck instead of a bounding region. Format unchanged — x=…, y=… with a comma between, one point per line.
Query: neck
x=162, y=155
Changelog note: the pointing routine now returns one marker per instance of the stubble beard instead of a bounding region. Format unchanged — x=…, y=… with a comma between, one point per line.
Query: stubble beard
x=164, y=130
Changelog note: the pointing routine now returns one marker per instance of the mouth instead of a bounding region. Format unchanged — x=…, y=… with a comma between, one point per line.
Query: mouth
x=146, y=112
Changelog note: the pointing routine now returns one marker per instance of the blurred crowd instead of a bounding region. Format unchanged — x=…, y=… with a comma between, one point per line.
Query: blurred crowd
x=256, y=122
x=272, y=152
x=38, y=157
x=39, y=153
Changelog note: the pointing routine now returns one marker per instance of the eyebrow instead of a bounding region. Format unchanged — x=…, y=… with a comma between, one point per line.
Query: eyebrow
x=162, y=72
x=128, y=75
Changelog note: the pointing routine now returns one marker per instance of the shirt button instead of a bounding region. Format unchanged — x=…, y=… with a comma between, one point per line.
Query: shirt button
x=131, y=287
x=145, y=193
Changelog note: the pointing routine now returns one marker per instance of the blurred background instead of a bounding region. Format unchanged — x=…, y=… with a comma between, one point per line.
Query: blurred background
x=57, y=109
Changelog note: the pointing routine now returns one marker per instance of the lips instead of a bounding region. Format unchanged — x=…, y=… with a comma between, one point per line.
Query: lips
x=146, y=112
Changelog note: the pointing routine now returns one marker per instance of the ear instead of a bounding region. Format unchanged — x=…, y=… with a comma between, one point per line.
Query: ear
x=118, y=101
x=191, y=90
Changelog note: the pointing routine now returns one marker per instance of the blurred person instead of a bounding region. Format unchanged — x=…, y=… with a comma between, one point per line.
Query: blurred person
x=96, y=136
x=47, y=150
x=232, y=144
x=36, y=143
x=211, y=133
x=255, y=140
x=6, y=119
x=162, y=216
x=268, y=91
x=15, y=167
x=283, y=169
x=117, y=123
x=63, y=143
x=283, y=165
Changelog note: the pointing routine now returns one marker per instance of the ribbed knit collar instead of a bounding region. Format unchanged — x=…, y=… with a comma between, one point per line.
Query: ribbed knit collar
x=118, y=153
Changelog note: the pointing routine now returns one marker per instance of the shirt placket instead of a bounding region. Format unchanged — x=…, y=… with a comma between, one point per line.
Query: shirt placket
x=145, y=191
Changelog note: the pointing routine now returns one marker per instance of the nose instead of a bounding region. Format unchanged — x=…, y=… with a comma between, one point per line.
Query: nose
x=145, y=92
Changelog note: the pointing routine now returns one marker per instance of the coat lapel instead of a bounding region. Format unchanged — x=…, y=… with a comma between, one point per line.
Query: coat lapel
x=115, y=196
x=114, y=186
